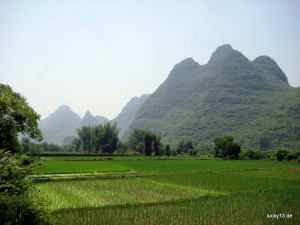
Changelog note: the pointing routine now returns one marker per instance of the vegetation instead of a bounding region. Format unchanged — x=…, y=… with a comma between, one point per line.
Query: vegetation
x=175, y=191
x=16, y=205
x=16, y=117
x=100, y=138
x=125, y=118
x=230, y=95
x=146, y=143
x=176, y=183
x=59, y=127
x=184, y=147
x=226, y=148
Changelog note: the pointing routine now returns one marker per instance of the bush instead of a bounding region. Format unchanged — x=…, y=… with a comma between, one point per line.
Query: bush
x=16, y=205
x=173, y=152
x=251, y=154
x=226, y=148
x=281, y=154
x=192, y=152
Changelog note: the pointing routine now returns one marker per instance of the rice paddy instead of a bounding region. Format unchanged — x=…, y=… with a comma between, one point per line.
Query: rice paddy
x=174, y=191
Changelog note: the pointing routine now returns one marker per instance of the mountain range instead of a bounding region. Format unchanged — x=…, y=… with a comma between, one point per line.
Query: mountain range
x=60, y=126
x=230, y=95
x=125, y=118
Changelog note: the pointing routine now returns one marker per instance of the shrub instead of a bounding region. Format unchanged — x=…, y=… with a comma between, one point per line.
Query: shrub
x=16, y=205
x=226, y=148
x=192, y=152
x=251, y=154
x=281, y=154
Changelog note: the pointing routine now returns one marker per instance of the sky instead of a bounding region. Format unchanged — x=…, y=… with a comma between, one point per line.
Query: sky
x=97, y=54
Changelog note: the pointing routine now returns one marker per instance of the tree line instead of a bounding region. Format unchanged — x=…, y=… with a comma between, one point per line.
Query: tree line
x=97, y=139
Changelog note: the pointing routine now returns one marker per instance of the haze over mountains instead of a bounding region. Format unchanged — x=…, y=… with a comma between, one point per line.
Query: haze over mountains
x=125, y=118
x=60, y=127
x=230, y=95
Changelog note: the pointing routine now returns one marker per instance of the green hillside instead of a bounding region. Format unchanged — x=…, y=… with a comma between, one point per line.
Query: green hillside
x=125, y=118
x=230, y=95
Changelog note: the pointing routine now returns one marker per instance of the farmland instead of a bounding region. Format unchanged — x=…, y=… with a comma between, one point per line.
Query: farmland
x=140, y=190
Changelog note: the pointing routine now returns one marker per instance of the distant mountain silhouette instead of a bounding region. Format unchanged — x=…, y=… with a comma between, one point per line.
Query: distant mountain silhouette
x=230, y=95
x=89, y=119
x=60, y=126
x=125, y=118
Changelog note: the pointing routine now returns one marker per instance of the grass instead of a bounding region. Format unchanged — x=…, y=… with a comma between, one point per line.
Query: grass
x=54, y=165
x=176, y=191
x=79, y=166
x=251, y=208
x=97, y=193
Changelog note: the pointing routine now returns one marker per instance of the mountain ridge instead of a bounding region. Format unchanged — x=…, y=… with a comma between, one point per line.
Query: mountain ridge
x=126, y=116
x=63, y=124
x=228, y=95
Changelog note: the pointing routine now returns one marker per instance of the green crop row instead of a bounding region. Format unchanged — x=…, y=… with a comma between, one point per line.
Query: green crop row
x=179, y=191
x=250, y=208
x=153, y=165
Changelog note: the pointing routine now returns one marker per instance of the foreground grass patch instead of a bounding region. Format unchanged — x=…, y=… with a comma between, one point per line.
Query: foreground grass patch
x=178, y=191
x=250, y=208
x=97, y=193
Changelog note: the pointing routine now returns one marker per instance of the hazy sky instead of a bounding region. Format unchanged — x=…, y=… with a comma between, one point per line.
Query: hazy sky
x=96, y=55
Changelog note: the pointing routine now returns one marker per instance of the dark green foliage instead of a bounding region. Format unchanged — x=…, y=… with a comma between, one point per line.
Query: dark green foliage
x=229, y=95
x=50, y=147
x=167, y=150
x=136, y=137
x=31, y=147
x=16, y=206
x=284, y=154
x=148, y=143
x=152, y=144
x=183, y=146
x=226, y=148
x=281, y=154
x=100, y=139
x=16, y=116
x=252, y=154
x=192, y=152
x=145, y=142
x=34, y=148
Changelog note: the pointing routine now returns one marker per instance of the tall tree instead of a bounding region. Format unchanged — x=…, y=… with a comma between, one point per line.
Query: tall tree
x=101, y=138
x=16, y=116
x=226, y=148
x=148, y=143
x=136, y=137
x=110, y=138
x=85, y=135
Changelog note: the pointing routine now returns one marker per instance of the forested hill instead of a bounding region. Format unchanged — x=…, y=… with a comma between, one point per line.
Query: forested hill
x=125, y=118
x=230, y=95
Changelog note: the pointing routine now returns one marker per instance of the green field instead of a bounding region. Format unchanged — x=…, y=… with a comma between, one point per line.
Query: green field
x=140, y=190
